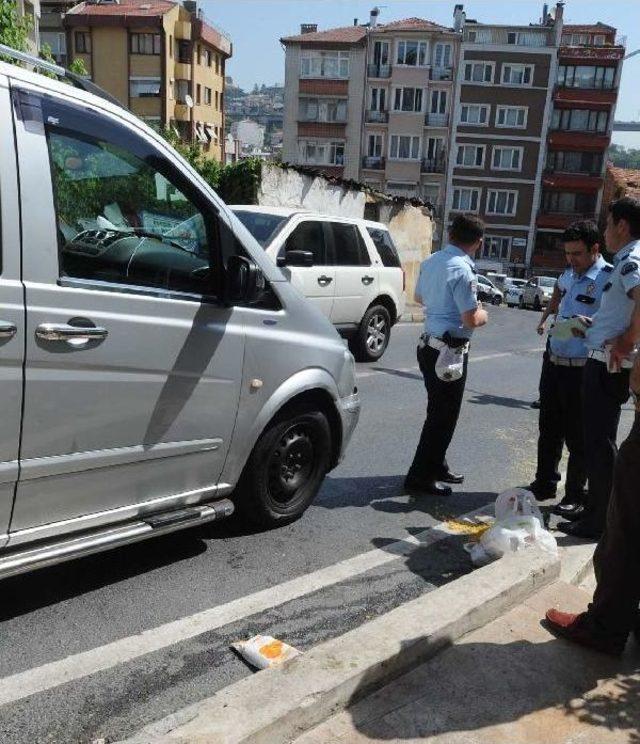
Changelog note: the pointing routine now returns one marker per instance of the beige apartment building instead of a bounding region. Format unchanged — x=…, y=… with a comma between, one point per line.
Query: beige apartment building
x=161, y=59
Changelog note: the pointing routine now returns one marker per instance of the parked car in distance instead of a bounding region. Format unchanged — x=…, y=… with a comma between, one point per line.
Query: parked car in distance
x=537, y=292
x=157, y=370
x=348, y=268
x=488, y=292
x=513, y=288
x=497, y=279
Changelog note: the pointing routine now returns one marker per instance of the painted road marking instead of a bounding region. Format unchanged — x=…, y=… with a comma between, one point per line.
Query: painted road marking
x=48, y=676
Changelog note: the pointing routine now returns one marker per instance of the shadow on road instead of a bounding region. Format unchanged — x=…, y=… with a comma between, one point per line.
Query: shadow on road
x=485, y=399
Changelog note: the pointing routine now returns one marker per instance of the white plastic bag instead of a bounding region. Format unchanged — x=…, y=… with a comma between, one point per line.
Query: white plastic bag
x=264, y=651
x=450, y=364
x=517, y=502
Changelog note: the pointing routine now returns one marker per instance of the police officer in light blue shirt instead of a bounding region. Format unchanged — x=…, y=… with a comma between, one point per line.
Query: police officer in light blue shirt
x=577, y=293
x=611, y=338
x=447, y=287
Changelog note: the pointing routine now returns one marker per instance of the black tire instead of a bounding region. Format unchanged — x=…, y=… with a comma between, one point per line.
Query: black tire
x=536, y=304
x=521, y=304
x=496, y=300
x=372, y=337
x=285, y=469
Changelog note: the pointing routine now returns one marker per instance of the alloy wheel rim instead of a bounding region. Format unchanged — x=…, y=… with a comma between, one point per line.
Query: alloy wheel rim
x=376, y=333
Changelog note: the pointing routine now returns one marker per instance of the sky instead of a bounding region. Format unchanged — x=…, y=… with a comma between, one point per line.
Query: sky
x=256, y=26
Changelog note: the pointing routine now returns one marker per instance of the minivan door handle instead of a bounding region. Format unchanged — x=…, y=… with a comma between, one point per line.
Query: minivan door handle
x=75, y=335
x=7, y=330
x=367, y=280
x=324, y=281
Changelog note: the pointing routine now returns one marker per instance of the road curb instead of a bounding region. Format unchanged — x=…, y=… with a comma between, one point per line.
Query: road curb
x=411, y=318
x=277, y=705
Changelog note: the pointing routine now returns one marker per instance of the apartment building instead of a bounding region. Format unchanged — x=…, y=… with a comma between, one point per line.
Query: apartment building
x=324, y=98
x=52, y=31
x=161, y=59
x=503, y=106
x=584, y=101
x=31, y=9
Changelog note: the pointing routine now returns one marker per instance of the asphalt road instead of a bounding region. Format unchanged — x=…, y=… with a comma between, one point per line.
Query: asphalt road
x=101, y=646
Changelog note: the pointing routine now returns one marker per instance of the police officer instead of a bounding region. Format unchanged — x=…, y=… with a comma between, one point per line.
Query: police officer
x=447, y=287
x=577, y=292
x=611, y=339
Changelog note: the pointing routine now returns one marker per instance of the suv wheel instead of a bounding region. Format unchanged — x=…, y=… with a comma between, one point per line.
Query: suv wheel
x=372, y=338
x=286, y=468
x=496, y=300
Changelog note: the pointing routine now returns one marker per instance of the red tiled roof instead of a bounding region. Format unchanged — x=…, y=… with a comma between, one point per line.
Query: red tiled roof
x=626, y=177
x=140, y=8
x=343, y=35
x=593, y=28
x=411, y=24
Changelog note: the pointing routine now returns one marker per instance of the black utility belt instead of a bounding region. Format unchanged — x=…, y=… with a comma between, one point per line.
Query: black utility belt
x=451, y=341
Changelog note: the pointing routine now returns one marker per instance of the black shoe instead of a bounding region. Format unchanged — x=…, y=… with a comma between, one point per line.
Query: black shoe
x=536, y=404
x=568, y=511
x=448, y=476
x=542, y=494
x=583, y=528
x=427, y=488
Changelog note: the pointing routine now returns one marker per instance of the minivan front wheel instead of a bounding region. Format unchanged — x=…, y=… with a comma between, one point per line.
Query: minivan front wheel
x=372, y=337
x=285, y=470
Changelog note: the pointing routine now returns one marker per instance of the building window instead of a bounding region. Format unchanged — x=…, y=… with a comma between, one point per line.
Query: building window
x=466, y=200
x=144, y=87
x=407, y=99
x=438, y=102
x=586, y=76
x=171, y=46
x=184, y=51
x=580, y=120
x=316, y=64
x=378, y=99
x=315, y=152
x=470, y=156
x=478, y=72
x=513, y=117
x=476, y=114
x=207, y=96
x=598, y=40
x=217, y=57
x=323, y=109
x=496, y=246
x=507, y=158
x=442, y=55
x=374, y=145
x=82, y=41
x=207, y=57
x=412, y=53
x=502, y=203
x=517, y=74
x=198, y=94
x=575, y=162
x=144, y=43
x=565, y=202
x=404, y=147
x=182, y=90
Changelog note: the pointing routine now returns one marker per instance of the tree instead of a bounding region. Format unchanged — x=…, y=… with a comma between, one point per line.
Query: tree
x=14, y=28
x=623, y=157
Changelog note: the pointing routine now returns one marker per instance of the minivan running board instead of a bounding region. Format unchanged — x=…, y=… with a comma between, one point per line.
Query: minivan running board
x=50, y=553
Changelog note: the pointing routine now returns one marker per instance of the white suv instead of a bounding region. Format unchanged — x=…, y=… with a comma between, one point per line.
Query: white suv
x=537, y=292
x=349, y=268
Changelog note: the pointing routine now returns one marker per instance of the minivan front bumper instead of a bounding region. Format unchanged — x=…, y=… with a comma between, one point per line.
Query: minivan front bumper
x=349, y=410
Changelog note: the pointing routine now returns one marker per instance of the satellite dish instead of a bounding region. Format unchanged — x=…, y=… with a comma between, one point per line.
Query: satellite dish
x=188, y=100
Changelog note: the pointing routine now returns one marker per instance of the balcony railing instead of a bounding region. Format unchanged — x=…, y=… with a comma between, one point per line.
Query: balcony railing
x=432, y=165
x=441, y=73
x=323, y=120
x=436, y=120
x=574, y=171
x=576, y=214
x=373, y=163
x=379, y=117
x=379, y=71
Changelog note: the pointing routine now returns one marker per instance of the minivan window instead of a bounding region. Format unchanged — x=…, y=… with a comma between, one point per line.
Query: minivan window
x=309, y=236
x=386, y=248
x=119, y=218
x=263, y=227
x=348, y=245
x=546, y=281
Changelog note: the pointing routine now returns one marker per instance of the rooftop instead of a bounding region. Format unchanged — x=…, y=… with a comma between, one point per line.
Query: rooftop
x=410, y=24
x=138, y=8
x=592, y=28
x=342, y=35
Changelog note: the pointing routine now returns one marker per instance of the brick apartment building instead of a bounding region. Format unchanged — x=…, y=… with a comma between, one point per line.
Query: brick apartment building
x=161, y=59
x=584, y=101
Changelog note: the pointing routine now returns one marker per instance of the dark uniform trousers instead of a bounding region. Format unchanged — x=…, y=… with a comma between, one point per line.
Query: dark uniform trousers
x=604, y=394
x=560, y=421
x=444, y=400
x=614, y=610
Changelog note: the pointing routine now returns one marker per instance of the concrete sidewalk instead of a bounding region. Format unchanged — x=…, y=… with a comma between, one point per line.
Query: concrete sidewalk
x=510, y=682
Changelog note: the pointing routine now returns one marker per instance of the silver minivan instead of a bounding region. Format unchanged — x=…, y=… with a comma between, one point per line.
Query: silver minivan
x=156, y=368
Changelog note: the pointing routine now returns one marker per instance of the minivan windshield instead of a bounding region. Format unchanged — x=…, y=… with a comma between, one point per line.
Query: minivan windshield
x=264, y=227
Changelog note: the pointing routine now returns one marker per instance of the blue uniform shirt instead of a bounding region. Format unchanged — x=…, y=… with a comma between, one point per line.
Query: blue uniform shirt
x=447, y=285
x=616, y=307
x=581, y=295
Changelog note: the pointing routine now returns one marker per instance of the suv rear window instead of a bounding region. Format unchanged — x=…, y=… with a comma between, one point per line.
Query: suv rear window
x=349, y=247
x=384, y=243
x=263, y=227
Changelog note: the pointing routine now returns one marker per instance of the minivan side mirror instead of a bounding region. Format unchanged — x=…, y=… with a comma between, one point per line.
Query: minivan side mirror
x=245, y=281
x=296, y=258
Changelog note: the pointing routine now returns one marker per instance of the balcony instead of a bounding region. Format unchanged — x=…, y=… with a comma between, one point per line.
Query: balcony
x=441, y=73
x=561, y=220
x=432, y=165
x=373, y=163
x=575, y=140
x=377, y=117
x=437, y=120
x=379, y=71
x=338, y=119
x=585, y=95
x=582, y=182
